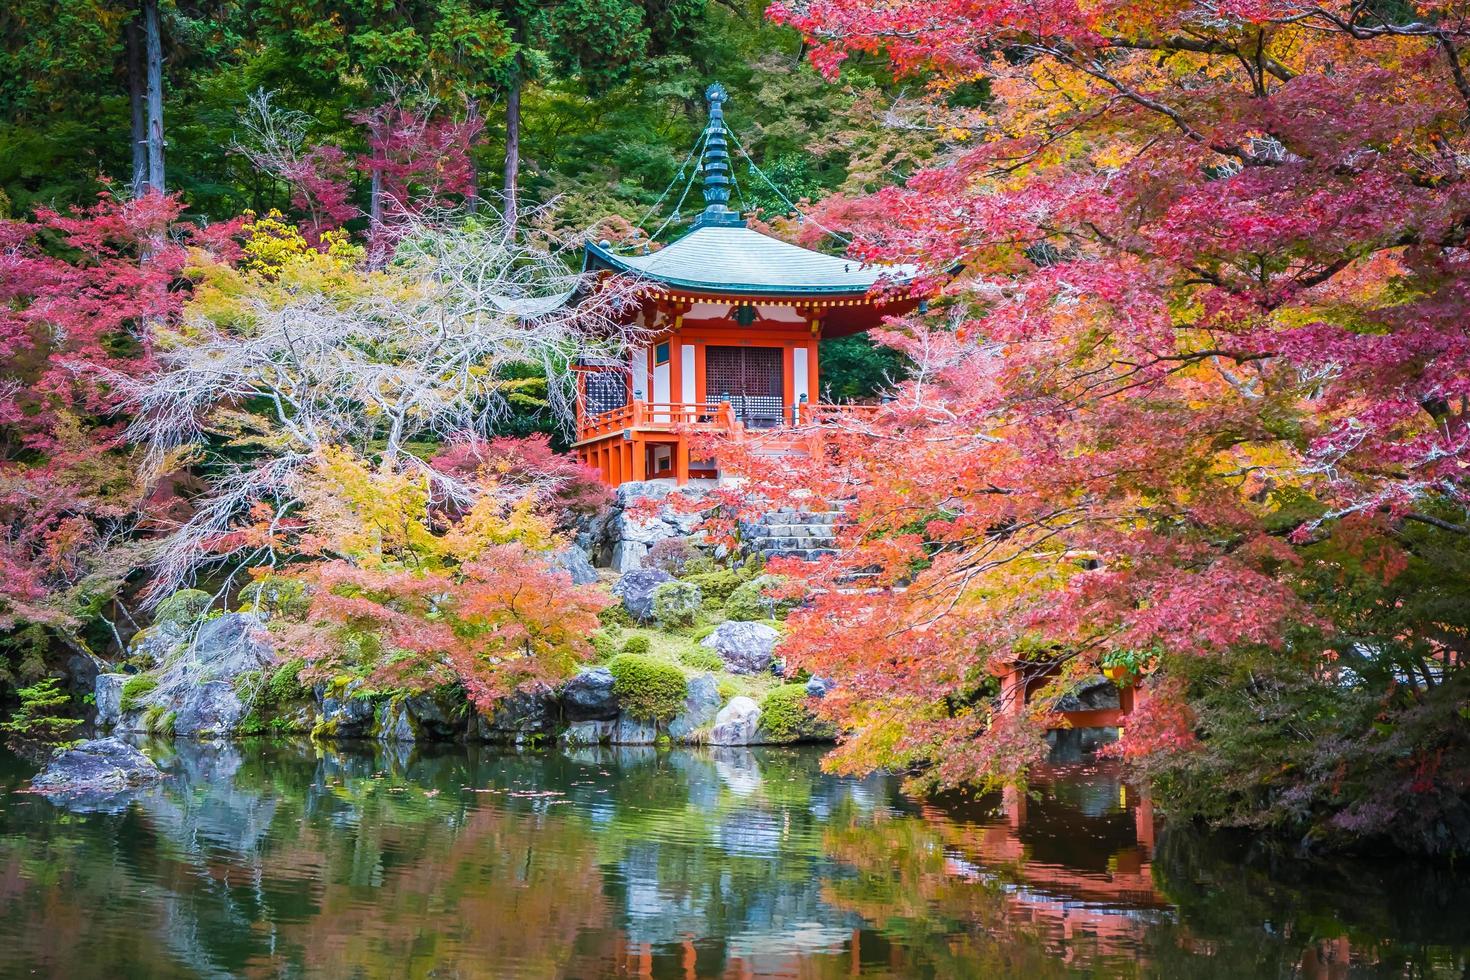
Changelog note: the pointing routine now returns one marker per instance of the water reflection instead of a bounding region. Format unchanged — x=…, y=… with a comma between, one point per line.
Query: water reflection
x=294, y=859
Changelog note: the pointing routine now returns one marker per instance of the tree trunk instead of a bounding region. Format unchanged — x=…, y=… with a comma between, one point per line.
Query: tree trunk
x=513, y=138
x=137, y=96
x=472, y=196
x=154, y=45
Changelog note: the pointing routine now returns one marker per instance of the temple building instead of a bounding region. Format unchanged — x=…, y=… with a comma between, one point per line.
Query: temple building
x=735, y=319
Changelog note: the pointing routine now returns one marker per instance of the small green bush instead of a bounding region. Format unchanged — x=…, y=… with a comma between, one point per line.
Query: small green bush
x=647, y=688
x=785, y=717
x=277, y=596
x=676, y=604
x=135, y=689
x=184, y=608
x=700, y=564
x=284, y=686
x=637, y=645
x=748, y=603
x=615, y=615
x=604, y=647
x=717, y=584
x=39, y=716
x=700, y=658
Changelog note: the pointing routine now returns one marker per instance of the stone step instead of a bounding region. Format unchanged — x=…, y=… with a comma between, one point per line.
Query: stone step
x=788, y=516
x=795, y=530
x=805, y=554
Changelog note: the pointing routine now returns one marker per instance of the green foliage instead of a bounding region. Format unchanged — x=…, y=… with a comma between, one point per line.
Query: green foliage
x=856, y=368
x=637, y=645
x=38, y=716
x=277, y=596
x=701, y=658
x=648, y=689
x=717, y=585
x=676, y=604
x=604, y=646
x=135, y=689
x=184, y=608
x=616, y=615
x=749, y=603
x=786, y=718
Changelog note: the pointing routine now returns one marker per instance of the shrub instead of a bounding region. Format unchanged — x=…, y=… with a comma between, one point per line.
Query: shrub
x=183, y=608
x=700, y=564
x=277, y=596
x=647, y=688
x=676, y=604
x=604, y=647
x=718, y=584
x=786, y=718
x=37, y=717
x=670, y=555
x=285, y=685
x=637, y=645
x=699, y=658
x=749, y=602
x=615, y=615
x=135, y=689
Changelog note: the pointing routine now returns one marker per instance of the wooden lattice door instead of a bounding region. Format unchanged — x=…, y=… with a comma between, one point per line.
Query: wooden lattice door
x=750, y=379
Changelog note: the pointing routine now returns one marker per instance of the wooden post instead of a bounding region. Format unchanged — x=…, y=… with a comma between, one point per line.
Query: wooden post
x=640, y=459
x=1012, y=692
x=681, y=460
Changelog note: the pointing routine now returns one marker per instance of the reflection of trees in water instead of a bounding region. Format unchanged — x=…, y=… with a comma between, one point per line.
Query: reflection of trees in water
x=269, y=860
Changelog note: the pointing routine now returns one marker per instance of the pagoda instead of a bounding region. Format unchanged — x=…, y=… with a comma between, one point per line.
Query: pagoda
x=735, y=319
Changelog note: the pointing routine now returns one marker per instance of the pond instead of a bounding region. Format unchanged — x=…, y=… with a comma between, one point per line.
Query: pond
x=291, y=859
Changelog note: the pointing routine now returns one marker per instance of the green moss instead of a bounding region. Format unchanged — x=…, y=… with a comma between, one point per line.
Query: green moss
x=637, y=645
x=717, y=585
x=646, y=688
x=676, y=604
x=604, y=646
x=277, y=596
x=786, y=718
x=748, y=603
x=700, y=658
x=135, y=689
x=615, y=615
x=184, y=608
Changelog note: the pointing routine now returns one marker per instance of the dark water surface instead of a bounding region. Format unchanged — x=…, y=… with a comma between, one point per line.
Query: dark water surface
x=289, y=859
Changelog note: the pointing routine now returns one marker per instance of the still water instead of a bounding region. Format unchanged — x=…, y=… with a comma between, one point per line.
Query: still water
x=292, y=860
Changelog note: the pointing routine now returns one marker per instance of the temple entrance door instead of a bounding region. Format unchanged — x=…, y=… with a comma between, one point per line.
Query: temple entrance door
x=750, y=379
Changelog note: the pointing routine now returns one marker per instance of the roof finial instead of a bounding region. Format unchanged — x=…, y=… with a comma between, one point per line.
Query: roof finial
x=714, y=167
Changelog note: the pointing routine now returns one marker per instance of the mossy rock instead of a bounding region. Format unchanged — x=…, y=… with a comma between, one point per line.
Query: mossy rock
x=717, y=585
x=277, y=596
x=748, y=603
x=676, y=604
x=785, y=717
x=134, y=690
x=184, y=608
x=648, y=689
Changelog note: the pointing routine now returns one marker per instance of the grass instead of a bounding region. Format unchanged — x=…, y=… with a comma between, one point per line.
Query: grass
x=668, y=647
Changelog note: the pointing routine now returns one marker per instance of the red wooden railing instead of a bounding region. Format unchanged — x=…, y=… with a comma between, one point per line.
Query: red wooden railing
x=718, y=417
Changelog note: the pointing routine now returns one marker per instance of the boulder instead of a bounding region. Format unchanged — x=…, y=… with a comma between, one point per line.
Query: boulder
x=434, y=714
x=232, y=644
x=159, y=640
x=98, y=765
x=737, y=723
x=1092, y=694
x=345, y=716
x=636, y=590
x=589, y=696
x=109, y=699
x=394, y=723
x=208, y=710
x=634, y=731
x=817, y=687
x=574, y=562
x=745, y=648
x=701, y=704
x=583, y=733
x=520, y=717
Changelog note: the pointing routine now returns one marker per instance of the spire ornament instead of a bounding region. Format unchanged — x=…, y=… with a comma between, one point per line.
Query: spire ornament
x=714, y=167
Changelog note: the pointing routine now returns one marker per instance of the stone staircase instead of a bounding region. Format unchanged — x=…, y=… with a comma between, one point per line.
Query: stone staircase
x=792, y=533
